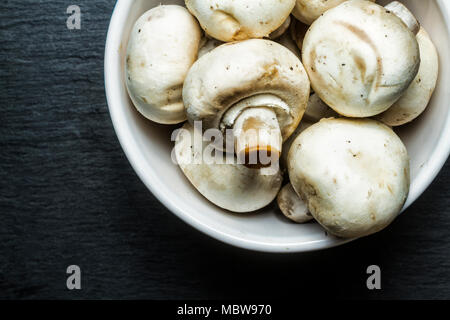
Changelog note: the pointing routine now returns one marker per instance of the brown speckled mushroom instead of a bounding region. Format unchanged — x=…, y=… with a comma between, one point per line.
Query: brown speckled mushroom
x=361, y=57
x=162, y=47
x=229, y=20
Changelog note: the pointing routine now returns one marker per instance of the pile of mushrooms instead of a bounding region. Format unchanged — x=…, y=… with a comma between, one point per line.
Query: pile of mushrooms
x=315, y=86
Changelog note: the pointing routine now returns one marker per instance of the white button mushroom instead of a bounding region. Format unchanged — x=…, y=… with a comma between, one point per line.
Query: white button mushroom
x=162, y=47
x=360, y=57
x=352, y=173
x=230, y=20
x=416, y=98
x=255, y=87
x=292, y=206
x=232, y=187
x=309, y=10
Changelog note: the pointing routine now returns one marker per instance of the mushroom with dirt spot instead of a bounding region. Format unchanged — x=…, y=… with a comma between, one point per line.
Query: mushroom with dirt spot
x=352, y=173
x=360, y=57
x=416, y=98
x=230, y=20
x=257, y=88
x=163, y=46
x=229, y=185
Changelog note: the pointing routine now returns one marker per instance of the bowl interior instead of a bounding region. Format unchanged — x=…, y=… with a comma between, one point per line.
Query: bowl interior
x=148, y=146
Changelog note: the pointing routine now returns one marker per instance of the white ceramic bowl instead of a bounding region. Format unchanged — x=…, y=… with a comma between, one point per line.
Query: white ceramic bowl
x=148, y=146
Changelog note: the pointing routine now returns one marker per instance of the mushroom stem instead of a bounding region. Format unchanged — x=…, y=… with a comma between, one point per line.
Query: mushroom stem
x=258, y=139
x=401, y=11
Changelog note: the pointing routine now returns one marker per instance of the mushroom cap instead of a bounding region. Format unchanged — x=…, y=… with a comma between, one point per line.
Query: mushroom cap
x=230, y=20
x=256, y=72
x=307, y=11
x=360, y=58
x=352, y=173
x=292, y=206
x=416, y=98
x=162, y=47
x=233, y=187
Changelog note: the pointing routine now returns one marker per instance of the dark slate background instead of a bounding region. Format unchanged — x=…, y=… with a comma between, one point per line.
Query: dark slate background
x=69, y=196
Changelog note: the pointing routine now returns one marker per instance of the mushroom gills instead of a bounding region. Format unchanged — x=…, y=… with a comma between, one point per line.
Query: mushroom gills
x=256, y=129
x=221, y=180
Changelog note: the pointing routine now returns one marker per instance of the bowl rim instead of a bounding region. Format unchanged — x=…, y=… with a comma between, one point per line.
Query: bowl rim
x=112, y=72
